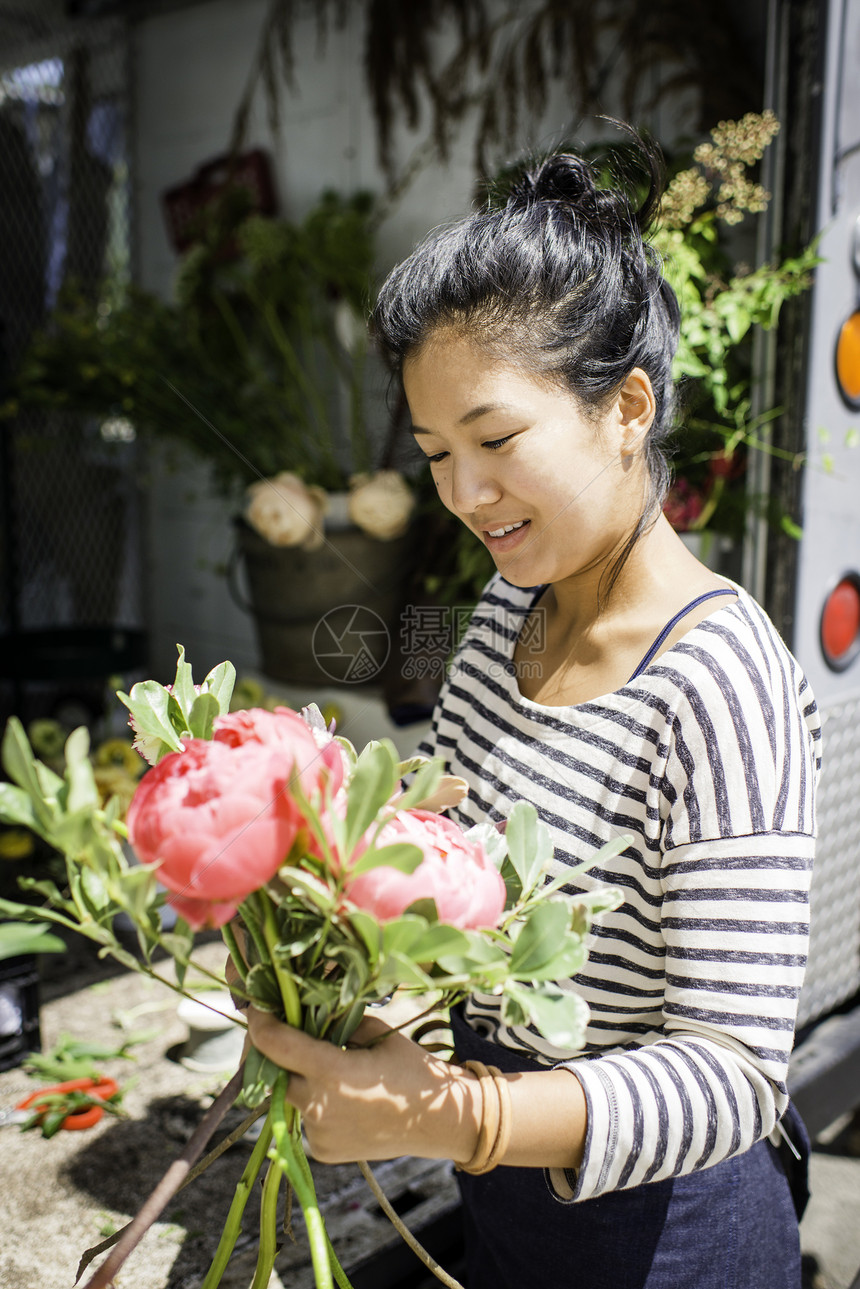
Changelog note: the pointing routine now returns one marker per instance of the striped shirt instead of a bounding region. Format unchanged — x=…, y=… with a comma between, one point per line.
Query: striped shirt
x=709, y=759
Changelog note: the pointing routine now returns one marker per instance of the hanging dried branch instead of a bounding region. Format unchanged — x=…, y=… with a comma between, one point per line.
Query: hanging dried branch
x=441, y=59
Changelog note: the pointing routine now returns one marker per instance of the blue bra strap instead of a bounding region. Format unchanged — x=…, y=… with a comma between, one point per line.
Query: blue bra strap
x=700, y=599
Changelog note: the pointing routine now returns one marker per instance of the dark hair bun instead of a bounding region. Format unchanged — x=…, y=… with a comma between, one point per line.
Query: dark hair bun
x=561, y=177
x=564, y=177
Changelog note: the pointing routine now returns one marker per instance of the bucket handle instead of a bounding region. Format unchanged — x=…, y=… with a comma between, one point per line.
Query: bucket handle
x=239, y=598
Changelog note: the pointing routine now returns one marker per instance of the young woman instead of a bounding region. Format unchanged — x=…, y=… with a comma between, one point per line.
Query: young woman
x=622, y=687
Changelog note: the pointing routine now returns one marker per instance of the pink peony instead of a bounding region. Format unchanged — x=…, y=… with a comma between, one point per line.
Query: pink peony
x=455, y=872
x=314, y=755
x=218, y=821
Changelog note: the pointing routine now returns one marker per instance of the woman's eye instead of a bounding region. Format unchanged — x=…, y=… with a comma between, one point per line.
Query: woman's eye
x=498, y=443
x=439, y=456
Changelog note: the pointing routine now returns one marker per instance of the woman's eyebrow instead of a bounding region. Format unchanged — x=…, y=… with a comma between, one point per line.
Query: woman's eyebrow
x=473, y=415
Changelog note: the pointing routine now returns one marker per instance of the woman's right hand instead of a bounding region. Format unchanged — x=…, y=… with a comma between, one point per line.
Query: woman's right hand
x=380, y=1097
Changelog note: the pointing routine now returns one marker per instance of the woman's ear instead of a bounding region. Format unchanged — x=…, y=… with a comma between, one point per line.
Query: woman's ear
x=636, y=410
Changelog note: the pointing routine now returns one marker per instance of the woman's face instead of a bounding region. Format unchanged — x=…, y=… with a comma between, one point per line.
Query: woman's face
x=550, y=490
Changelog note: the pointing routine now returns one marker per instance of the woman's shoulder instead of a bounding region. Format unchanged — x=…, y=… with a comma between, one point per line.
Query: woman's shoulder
x=736, y=662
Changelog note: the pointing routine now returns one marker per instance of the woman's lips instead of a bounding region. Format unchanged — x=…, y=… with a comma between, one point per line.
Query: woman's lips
x=506, y=541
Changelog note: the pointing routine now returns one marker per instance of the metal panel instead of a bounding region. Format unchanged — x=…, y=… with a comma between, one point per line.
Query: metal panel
x=830, y=546
x=834, y=953
x=831, y=490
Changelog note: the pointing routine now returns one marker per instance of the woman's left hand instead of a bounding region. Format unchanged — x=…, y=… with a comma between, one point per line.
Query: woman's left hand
x=381, y=1097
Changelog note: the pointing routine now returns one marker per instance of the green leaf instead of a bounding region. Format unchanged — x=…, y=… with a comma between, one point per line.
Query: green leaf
x=202, y=715
x=788, y=526
x=401, y=933
x=425, y=908
x=369, y=931
x=438, y=941
x=18, y=938
x=49, y=891
x=542, y=949
x=313, y=890
x=16, y=807
x=560, y=1016
x=260, y=1075
x=261, y=985
x=12, y=909
x=371, y=786
x=183, y=684
x=95, y=893
x=83, y=792
x=49, y=781
x=220, y=683
x=425, y=783
x=598, y=860
x=149, y=704
x=20, y=765
x=529, y=844
x=483, y=955
x=401, y=855
x=401, y=970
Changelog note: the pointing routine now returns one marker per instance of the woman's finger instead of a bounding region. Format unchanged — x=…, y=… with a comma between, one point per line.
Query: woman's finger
x=288, y=1047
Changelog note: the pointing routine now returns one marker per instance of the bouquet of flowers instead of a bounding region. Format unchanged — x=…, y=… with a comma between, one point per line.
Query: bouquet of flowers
x=335, y=882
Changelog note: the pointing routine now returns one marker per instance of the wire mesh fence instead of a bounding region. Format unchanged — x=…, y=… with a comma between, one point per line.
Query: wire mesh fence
x=71, y=570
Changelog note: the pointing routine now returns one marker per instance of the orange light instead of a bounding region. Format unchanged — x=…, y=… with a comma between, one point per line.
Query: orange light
x=840, y=622
x=848, y=359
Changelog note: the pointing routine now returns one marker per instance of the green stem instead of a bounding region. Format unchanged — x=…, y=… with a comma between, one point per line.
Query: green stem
x=268, y=1247
x=252, y=922
x=288, y=1150
x=233, y=1225
x=228, y=935
x=289, y=993
x=339, y=1273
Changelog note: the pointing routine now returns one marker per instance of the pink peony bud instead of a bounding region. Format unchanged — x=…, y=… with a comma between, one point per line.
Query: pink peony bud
x=455, y=872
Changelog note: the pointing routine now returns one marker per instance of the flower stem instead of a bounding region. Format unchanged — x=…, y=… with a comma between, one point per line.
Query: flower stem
x=233, y=1225
x=268, y=1247
x=339, y=1273
x=289, y=993
x=288, y=1150
x=229, y=937
x=403, y=1230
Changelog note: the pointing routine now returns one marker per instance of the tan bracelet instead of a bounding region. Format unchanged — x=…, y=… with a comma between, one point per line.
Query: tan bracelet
x=494, y=1134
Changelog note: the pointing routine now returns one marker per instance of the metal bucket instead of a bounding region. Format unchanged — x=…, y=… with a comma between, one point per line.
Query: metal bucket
x=327, y=616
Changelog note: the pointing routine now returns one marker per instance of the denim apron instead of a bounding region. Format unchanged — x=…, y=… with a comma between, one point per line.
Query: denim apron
x=732, y=1226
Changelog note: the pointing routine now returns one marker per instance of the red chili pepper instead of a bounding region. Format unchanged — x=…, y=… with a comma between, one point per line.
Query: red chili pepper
x=103, y=1089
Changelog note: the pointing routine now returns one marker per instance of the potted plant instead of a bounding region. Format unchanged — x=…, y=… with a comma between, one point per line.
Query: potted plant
x=257, y=365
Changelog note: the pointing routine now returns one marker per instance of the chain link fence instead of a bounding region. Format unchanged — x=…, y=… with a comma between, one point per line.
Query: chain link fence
x=71, y=570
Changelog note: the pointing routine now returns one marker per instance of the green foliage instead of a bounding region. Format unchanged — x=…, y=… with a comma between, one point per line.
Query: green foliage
x=309, y=953
x=245, y=366
x=73, y=1058
x=17, y=938
x=65, y=811
x=163, y=715
x=721, y=302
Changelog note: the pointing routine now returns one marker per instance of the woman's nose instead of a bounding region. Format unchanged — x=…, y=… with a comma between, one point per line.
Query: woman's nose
x=472, y=486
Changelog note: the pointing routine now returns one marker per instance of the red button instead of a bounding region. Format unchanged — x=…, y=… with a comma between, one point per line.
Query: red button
x=840, y=621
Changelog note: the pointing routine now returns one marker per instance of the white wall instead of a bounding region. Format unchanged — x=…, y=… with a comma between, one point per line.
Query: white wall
x=190, y=68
